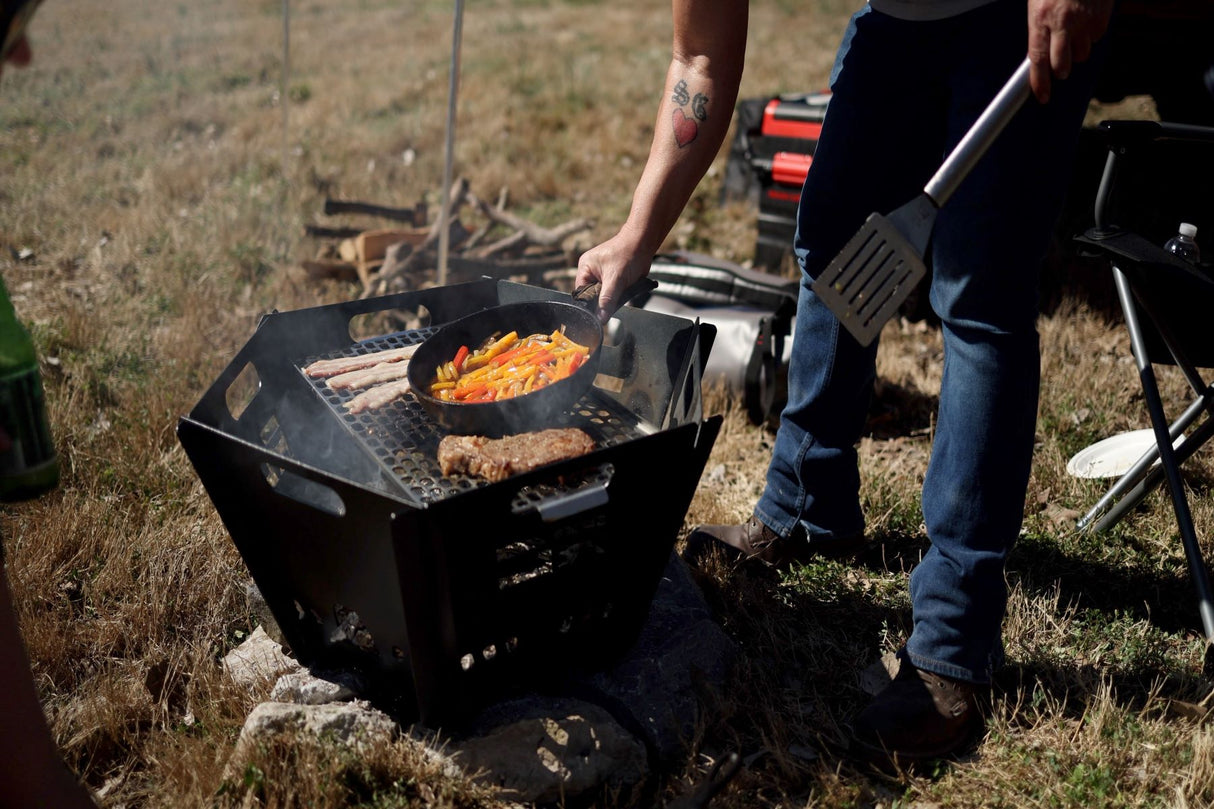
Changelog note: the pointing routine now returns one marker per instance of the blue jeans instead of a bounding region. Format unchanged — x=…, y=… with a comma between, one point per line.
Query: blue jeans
x=903, y=93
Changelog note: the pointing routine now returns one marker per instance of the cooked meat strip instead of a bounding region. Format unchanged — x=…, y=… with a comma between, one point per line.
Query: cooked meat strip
x=340, y=365
x=366, y=377
x=496, y=459
x=378, y=396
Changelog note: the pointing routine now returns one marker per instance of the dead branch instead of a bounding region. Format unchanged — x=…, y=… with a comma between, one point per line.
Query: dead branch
x=503, y=245
x=534, y=234
x=397, y=278
x=484, y=230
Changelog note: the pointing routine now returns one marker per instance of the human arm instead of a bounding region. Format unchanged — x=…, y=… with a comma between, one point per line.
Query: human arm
x=20, y=55
x=1061, y=34
x=698, y=97
x=31, y=771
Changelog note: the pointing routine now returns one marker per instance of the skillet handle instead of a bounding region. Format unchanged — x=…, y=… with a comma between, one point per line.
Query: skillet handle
x=588, y=294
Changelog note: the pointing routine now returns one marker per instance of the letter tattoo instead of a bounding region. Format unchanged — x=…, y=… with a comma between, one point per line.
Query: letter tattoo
x=697, y=106
x=681, y=96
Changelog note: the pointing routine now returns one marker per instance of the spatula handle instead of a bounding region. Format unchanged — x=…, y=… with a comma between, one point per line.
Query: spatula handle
x=980, y=136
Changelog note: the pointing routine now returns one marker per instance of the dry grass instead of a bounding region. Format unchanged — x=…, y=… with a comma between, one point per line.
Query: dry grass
x=143, y=169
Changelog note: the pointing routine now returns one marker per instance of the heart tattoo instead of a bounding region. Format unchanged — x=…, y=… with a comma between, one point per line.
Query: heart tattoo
x=685, y=129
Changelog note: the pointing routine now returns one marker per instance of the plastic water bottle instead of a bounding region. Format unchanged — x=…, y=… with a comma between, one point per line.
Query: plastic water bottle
x=1184, y=243
x=29, y=464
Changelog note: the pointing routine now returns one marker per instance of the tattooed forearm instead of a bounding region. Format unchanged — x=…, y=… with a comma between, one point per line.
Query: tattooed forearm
x=686, y=127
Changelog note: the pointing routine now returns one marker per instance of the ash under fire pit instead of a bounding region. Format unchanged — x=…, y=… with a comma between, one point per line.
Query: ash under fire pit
x=446, y=591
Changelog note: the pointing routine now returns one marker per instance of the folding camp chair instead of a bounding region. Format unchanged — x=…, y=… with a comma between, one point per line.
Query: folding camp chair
x=1167, y=304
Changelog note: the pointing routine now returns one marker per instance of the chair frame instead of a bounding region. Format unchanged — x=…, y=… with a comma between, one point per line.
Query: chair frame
x=1137, y=263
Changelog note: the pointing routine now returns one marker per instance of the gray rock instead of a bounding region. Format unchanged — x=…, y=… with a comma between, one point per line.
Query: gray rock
x=599, y=734
x=304, y=687
x=260, y=659
x=355, y=724
x=256, y=605
x=549, y=749
x=681, y=654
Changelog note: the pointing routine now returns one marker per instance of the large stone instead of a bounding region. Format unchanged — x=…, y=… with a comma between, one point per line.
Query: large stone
x=305, y=687
x=548, y=749
x=598, y=733
x=682, y=654
x=256, y=605
x=355, y=724
x=257, y=661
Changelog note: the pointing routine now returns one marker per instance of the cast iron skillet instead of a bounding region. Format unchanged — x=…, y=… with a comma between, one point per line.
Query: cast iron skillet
x=533, y=411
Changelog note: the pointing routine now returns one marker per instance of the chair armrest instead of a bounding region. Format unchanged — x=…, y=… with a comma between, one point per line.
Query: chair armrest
x=1131, y=247
x=1132, y=133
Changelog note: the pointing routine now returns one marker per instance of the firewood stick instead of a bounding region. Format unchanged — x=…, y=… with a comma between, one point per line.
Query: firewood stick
x=387, y=281
x=535, y=234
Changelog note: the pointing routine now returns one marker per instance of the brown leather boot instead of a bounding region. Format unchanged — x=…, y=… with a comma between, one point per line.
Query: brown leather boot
x=919, y=716
x=754, y=541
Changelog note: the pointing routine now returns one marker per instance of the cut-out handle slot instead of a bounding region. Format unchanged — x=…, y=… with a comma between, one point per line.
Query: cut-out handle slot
x=303, y=490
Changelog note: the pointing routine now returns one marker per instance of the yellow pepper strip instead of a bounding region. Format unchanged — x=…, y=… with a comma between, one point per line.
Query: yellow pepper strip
x=492, y=351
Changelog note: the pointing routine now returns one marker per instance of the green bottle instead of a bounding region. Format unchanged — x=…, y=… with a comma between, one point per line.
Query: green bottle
x=29, y=464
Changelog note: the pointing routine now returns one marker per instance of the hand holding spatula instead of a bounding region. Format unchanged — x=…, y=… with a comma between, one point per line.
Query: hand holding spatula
x=877, y=270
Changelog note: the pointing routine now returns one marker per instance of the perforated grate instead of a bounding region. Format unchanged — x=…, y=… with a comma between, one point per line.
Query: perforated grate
x=404, y=439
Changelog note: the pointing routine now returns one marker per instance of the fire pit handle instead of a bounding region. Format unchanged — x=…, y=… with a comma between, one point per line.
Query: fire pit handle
x=568, y=504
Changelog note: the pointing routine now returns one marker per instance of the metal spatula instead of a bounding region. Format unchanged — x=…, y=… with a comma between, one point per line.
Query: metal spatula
x=879, y=267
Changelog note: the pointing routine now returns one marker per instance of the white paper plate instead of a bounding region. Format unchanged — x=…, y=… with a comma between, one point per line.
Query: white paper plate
x=1113, y=456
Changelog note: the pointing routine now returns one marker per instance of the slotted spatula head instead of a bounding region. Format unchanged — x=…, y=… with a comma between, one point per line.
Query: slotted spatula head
x=878, y=269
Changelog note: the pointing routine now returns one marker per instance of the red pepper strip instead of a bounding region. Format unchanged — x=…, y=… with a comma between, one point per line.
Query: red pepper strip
x=460, y=356
x=541, y=358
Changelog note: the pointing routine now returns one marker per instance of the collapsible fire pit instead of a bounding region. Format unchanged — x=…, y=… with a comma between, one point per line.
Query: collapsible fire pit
x=443, y=591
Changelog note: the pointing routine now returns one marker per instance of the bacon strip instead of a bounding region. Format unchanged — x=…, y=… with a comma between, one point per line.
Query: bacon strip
x=365, y=377
x=378, y=396
x=340, y=365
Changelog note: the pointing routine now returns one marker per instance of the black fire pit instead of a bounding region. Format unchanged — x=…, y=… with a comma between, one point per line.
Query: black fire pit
x=444, y=591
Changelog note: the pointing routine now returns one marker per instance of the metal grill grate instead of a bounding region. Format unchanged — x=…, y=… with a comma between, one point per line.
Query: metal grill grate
x=404, y=439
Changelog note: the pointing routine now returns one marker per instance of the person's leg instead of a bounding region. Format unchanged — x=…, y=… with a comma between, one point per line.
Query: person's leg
x=987, y=247
x=881, y=139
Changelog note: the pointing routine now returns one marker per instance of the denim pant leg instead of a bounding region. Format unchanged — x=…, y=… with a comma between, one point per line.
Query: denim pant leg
x=881, y=140
x=988, y=244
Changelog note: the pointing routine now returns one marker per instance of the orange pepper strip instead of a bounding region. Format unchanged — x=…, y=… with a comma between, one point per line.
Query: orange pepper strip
x=470, y=391
x=502, y=359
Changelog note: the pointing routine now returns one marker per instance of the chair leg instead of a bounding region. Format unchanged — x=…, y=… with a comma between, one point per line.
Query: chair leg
x=1167, y=459
x=1180, y=504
